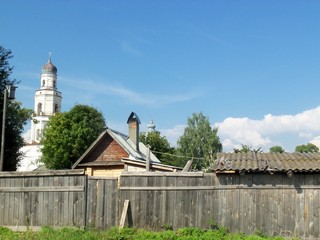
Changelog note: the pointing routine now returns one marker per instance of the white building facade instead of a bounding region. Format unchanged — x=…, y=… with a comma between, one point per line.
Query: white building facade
x=47, y=101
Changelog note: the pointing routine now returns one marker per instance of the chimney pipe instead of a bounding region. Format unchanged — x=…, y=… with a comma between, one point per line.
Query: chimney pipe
x=133, y=124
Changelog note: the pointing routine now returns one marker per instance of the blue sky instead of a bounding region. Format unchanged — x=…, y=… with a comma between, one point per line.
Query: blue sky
x=252, y=67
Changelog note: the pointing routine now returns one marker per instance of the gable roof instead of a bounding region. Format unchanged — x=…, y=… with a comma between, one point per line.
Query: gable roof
x=124, y=141
x=267, y=162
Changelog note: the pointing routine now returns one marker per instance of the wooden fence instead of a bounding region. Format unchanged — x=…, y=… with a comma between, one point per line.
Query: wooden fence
x=42, y=198
x=274, y=204
x=57, y=198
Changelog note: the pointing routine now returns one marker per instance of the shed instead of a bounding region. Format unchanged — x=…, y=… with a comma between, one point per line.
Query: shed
x=113, y=153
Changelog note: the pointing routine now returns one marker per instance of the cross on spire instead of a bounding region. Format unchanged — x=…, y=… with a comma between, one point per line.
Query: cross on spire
x=50, y=53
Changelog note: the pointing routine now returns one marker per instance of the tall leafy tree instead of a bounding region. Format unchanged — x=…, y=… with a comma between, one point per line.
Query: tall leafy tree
x=199, y=142
x=67, y=136
x=160, y=146
x=276, y=149
x=307, y=148
x=16, y=116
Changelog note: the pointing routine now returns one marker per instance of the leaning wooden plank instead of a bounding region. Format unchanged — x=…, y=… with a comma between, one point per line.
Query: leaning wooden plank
x=124, y=213
x=187, y=167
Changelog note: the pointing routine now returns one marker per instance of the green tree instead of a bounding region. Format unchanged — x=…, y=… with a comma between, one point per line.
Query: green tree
x=246, y=148
x=276, y=149
x=307, y=148
x=68, y=135
x=16, y=116
x=199, y=142
x=160, y=146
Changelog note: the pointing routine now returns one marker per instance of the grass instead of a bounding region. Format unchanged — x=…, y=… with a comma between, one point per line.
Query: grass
x=128, y=234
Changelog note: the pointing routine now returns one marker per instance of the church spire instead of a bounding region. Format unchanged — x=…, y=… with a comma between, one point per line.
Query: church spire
x=49, y=59
x=47, y=100
x=49, y=68
x=151, y=126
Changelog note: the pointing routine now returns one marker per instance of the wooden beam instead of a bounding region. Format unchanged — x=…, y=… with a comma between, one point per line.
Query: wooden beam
x=124, y=213
x=219, y=187
x=187, y=167
x=163, y=174
x=43, y=173
x=43, y=189
x=102, y=177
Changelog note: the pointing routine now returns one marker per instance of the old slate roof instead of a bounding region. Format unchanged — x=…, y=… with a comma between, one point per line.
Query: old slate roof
x=272, y=162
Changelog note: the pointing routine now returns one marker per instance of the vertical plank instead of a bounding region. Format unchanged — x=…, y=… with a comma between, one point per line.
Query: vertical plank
x=35, y=203
x=107, y=193
x=115, y=203
x=47, y=207
x=109, y=205
x=164, y=203
x=2, y=200
x=99, y=220
x=6, y=201
x=316, y=213
x=10, y=204
x=65, y=202
x=92, y=200
x=300, y=214
x=175, y=204
x=40, y=203
x=156, y=204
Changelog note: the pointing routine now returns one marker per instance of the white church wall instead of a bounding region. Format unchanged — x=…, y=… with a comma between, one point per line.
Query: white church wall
x=31, y=158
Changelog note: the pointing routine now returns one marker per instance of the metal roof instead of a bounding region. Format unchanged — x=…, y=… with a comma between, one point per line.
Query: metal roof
x=272, y=162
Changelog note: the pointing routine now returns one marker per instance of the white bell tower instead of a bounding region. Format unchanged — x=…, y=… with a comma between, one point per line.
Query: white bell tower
x=47, y=100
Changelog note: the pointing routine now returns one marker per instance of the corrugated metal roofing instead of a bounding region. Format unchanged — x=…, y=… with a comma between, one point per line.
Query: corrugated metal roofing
x=275, y=162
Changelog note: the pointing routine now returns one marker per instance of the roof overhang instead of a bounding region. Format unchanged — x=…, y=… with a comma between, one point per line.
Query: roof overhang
x=153, y=165
x=101, y=164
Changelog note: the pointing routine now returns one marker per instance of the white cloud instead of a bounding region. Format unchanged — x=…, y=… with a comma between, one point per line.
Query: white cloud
x=316, y=141
x=173, y=134
x=260, y=133
x=291, y=129
x=94, y=87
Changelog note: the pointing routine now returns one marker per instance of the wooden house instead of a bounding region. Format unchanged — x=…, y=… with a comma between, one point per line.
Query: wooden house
x=113, y=153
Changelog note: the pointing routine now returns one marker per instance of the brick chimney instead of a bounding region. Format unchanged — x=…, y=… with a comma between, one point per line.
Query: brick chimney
x=133, y=124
